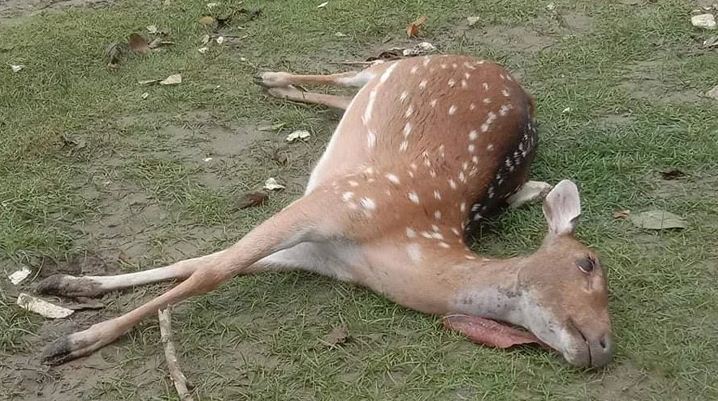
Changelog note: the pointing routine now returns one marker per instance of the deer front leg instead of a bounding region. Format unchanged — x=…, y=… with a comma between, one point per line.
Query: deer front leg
x=303, y=220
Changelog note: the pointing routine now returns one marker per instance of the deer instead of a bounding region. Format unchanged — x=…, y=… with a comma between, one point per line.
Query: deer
x=425, y=150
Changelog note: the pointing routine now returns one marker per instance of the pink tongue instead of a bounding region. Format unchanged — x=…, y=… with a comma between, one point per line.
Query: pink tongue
x=489, y=332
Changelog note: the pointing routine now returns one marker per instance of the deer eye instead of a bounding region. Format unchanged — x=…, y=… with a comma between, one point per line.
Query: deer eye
x=586, y=265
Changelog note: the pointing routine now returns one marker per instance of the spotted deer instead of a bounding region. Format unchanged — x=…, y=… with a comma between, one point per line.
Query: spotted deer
x=425, y=150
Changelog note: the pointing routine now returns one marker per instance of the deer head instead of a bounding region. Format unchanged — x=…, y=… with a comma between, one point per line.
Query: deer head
x=563, y=286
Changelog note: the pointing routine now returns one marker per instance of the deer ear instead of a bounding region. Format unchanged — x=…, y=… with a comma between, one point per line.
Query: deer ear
x=562, y=207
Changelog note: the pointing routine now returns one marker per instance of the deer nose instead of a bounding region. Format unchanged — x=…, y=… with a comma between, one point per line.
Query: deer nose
x=601, y=350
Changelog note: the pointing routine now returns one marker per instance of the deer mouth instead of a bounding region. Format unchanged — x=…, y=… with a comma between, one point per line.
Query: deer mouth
x=490, y=332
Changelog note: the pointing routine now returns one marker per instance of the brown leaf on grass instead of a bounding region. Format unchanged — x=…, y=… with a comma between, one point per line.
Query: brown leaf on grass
x=252, y=199
x=338, y=336
x=472, y=20
x=173, y=79
x=138, y=44
x=412, y=30
x=621, y=214
x=672, y=174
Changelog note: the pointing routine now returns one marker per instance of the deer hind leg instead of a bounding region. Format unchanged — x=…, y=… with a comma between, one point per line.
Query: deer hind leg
x=303, y=220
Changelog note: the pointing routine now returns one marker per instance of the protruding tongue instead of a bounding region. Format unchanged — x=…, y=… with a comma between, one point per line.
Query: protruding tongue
x=489, y=332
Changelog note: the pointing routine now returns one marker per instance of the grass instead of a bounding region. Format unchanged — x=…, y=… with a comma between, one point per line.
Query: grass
x=631, y=76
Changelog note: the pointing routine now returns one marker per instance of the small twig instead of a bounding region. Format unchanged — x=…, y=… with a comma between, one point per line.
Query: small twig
x=178, y=378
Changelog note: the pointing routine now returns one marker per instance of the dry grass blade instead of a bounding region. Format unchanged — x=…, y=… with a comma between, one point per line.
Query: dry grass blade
x=178, y=378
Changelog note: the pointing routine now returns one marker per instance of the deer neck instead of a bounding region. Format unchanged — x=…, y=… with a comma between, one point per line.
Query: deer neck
x=490, y=288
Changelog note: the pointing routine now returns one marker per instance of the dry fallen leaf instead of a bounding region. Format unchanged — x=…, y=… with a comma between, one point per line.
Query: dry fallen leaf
x=152, y=29
x=412, y=30
x=621, y=214
x=705, y=21
x=299, y=134
x=205, y=39
x=272, y=185
x=658, y=220
x=42, y=307
x=711, y=42
x=713, y=93
x=672, y=174
x=323, y=5
x=252, y=199
x=16, y=67
x=212, y=5
x=18, y=276
x=145, y=95
x=138, y=44
x=340, y=35
x=338, y=336
x=220, y=40
x=472, y=20
x=173, y=79
x=419, y=49
x=148, y=81
x=203, y=50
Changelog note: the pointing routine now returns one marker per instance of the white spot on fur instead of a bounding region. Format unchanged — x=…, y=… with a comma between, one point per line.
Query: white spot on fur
x=452, y=110
x=487, y=100
x=422, y=84
x=407, y=129
x=475, y=159
x=473, y=135
x=444, y=245
x=472, y=106
x=503, y=110
x=347, y=196
x=437, y=214
x=410, y=233
x=452, y=83
x=456, y=232
x=368, y=203
x=370, y=139
x=437, y=195
x=505, y=92
x=452, y=184
x=392, y=178
x=414, y=69
x=433, y=103
x=490, y=147
x=463, y=207
x=469, y=66
x=369, y=106
x=403, y=96
x=444, y=66
x=486, y=86
x=409, y=111
x=414, y=197
x=471, y=148
x=464, y=84
x=353, y=183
